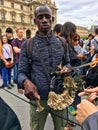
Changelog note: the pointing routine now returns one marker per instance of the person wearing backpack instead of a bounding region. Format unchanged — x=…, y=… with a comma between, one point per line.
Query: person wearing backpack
x=94, y=42
x=16, y=44
x=34, y=78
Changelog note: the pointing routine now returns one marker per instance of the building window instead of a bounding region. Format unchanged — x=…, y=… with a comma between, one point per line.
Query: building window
x=12, y=5
x=1, y=2
x=13, y=17
x=2, y=16
x=31, y=8
x=22, y=19
x=21, y=7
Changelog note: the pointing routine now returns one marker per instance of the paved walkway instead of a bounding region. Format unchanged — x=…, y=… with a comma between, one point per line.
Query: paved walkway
x=21, y=109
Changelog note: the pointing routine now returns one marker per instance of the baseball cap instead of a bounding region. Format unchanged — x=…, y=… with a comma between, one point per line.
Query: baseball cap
x=9, y=30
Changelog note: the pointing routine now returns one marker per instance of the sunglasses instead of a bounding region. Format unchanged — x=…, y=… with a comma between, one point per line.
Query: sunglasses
x=76, y=40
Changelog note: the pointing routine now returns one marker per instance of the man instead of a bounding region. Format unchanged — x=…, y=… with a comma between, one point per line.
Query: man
x=87, y=43
x=38, y=87
x=16, y=44
x=94, y=42
x=87, y=111
x=9, y=34
x=57, y=29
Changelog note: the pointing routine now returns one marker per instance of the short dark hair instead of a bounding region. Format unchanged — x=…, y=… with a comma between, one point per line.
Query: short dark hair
x=9, y=30
x=96, y=30
x=57, y=28
x=41, y=7
x=90, y=35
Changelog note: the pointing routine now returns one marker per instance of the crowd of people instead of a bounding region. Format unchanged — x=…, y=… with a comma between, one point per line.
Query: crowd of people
x=47, y=52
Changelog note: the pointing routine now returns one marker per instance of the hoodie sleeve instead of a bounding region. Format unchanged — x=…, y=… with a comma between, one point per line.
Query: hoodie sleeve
x=91, y=123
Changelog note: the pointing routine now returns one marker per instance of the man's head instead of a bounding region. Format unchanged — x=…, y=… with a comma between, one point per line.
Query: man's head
x=43, y=19
x=57, y=29
x=96, y=31
x=90, y=36
x=19, y=32
x=9, y=33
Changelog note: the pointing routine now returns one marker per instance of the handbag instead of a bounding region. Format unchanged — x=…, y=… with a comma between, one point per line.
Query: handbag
x=10, y=65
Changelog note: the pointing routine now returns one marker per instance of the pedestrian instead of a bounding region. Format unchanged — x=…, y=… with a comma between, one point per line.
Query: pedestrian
x=57, y=29
x=68, y=31
x=16, y=44
x=87, y=42
x=87, y=111
x=38, y=86
x=9, y=34
x=94, y=42
x=6, y=56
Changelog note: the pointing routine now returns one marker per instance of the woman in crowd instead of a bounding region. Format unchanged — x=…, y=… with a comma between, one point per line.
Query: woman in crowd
x=6, y=56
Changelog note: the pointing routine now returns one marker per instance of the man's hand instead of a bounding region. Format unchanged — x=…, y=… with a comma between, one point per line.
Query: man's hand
x=85, y=109
x=64, y=70
x=30, y=90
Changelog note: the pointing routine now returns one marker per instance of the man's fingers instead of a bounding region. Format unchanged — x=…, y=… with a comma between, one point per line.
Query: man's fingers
x=81, y=94
x=92, y=90
x=92, y=97
x=36, y=95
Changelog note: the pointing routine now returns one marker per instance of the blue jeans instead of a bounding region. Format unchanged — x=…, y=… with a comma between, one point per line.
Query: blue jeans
x=16, y=75
x=15, y=72
x=6, y=76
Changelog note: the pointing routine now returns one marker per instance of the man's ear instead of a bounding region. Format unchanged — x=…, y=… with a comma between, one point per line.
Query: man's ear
x=52, y=18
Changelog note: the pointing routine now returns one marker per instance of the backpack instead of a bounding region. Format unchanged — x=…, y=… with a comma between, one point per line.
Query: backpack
x=91, y=77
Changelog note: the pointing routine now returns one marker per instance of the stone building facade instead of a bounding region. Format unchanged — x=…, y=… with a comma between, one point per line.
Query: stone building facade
x=15, y=13
x=82, y=31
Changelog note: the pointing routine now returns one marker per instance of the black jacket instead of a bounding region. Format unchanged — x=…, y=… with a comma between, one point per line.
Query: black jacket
x=8, y=118
x=52, y=53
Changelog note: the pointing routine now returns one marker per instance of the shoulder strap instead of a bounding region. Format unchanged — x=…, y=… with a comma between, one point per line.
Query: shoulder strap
x=63, y=41
x=95, y=40
x=29, y=43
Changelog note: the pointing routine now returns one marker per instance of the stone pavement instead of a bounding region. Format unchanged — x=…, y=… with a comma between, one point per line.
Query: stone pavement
x=21, y=109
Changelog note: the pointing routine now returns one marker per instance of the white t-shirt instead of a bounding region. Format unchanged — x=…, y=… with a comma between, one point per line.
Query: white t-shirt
x=6, y=51
x=94, y=43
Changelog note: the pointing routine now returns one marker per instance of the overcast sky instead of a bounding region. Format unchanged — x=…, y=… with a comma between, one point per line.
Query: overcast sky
x=82, y=12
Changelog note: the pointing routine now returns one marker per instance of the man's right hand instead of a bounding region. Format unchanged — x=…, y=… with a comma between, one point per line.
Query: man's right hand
x=30, y=90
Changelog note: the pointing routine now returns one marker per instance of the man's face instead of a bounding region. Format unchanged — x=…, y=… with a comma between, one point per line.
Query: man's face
x=9, y=35
x=20, y=33
x=43, y=20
